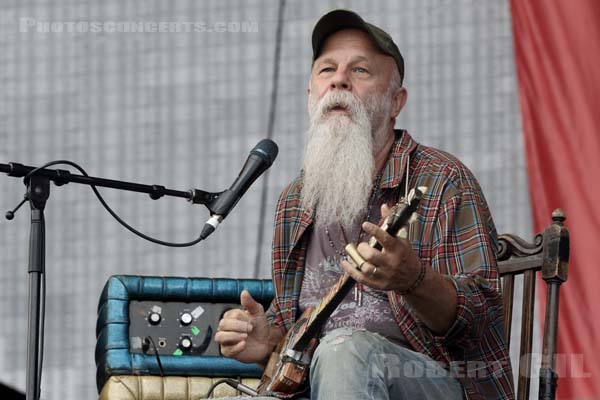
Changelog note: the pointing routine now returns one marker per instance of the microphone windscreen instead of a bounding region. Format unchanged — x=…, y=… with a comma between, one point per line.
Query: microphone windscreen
x=267, y=150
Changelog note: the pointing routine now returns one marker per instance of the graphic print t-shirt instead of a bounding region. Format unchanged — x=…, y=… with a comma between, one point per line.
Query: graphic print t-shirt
x=322, y=271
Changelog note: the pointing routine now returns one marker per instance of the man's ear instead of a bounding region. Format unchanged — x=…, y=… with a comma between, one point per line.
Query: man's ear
x=398, y=101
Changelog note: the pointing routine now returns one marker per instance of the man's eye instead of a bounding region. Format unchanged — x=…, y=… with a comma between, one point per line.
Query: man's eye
x=326, y=69
x=361, y=70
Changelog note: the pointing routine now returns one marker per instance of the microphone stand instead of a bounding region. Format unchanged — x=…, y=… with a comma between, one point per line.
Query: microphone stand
x=38, y=192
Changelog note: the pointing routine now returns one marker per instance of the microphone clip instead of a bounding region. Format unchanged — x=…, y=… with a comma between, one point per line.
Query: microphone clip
x=197, y=196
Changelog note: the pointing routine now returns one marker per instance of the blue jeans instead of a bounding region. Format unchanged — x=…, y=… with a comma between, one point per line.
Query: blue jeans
x=358, y=364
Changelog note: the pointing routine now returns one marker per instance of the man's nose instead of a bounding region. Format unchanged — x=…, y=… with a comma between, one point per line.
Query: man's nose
x=340, y=80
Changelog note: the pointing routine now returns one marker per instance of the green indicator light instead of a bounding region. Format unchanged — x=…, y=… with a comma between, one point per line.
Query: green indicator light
x=195, y=330
x=177, y=352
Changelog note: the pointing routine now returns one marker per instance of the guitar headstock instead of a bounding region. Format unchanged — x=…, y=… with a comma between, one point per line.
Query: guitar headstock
x=402, y=214
x=395, y=224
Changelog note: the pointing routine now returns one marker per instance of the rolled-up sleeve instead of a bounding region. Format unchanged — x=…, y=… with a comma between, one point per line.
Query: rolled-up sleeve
x=464, y=249
x=274, y=316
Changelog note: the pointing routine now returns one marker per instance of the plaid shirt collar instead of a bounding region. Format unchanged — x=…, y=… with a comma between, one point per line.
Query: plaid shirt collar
x=399, y=157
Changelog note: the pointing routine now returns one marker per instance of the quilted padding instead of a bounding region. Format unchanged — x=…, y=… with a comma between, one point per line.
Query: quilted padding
x=128, y=387
x=113, y=356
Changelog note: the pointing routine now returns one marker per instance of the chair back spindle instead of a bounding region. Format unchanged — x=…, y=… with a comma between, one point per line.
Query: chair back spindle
x=548, y=254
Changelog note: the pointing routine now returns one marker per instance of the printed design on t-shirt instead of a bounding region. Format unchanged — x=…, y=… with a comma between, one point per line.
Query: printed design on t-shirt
x=374, y=309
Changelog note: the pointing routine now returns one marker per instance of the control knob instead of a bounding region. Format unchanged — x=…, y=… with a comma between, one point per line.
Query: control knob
x=186, y=318
x=154, y=318
x=185, y=343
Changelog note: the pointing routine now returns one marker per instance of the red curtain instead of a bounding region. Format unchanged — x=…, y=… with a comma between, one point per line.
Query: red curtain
x=557, y=52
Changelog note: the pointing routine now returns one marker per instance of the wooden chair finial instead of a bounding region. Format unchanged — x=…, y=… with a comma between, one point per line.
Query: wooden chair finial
x=558, y=216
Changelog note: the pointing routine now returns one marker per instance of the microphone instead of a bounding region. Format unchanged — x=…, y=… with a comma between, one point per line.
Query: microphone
x=260, y=159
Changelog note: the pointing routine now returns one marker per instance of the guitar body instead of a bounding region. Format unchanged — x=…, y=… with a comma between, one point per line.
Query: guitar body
x=286, y=373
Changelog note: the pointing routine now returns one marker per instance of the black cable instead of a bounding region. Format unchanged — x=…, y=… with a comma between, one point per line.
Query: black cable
x=270, y=127
x=110, y=211
x=149, y=339
x=213, y=386
x=237, y=385
x=240, y=387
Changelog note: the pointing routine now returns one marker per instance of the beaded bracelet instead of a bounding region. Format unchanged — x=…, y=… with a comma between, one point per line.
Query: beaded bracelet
x=416, y=283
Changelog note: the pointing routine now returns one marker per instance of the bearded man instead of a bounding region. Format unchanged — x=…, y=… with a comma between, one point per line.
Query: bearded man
x=425, y=318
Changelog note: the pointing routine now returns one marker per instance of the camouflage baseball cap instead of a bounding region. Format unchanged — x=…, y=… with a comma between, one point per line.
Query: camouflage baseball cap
x=343, y=19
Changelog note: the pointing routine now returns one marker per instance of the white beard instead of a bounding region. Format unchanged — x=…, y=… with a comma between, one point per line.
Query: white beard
x=338, y=162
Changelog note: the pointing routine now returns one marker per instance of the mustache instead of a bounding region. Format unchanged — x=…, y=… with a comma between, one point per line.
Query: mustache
x=337, y=100
x=336, y=104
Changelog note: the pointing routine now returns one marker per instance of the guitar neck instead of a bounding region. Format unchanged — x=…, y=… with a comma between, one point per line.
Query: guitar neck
x=325, y=309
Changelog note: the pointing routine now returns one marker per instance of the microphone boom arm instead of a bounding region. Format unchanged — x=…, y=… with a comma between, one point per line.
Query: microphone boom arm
x=61, y=177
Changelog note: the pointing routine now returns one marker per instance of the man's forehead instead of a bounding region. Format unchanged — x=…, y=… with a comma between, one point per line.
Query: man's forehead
x=347, y=37
x=367, y=50
x=326, y=58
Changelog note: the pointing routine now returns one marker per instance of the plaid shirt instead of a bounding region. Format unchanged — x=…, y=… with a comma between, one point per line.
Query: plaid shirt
x=454, y=235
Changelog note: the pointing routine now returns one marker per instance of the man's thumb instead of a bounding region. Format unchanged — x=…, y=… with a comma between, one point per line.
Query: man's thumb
x=385, y=210
x=250, y=304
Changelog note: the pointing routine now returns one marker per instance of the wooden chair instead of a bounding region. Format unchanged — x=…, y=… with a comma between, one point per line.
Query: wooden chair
x=549, y=253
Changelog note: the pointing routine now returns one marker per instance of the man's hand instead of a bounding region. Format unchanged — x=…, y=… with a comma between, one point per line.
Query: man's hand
x=398, y=266
x=244, y=334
